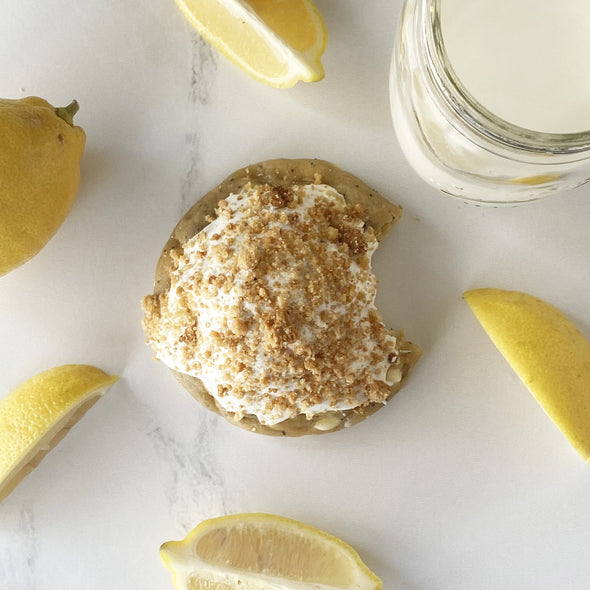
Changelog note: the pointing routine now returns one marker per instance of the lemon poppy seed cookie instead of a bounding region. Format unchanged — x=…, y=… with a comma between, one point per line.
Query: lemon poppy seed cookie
x=263, y=304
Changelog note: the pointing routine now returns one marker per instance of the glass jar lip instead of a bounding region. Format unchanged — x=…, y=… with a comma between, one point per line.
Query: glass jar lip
x=475, y=114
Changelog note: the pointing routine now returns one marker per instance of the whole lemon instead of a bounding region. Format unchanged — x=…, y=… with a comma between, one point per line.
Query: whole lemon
x=40, y=152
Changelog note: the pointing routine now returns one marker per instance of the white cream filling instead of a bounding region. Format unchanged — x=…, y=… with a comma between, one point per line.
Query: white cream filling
x=212, y=312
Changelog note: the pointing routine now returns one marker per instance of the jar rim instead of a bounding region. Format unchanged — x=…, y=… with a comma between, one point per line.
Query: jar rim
x=483, y=121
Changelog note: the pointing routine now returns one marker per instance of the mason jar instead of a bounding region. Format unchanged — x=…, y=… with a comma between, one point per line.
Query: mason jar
x=458, y=145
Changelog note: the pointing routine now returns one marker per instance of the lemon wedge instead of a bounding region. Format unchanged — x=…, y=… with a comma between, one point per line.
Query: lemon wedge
x=264, y=552
x=548, y=353
x=278, y=42
x=39, y=413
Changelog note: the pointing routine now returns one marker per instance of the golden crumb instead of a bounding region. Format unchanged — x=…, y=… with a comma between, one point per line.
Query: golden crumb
x=272, y=306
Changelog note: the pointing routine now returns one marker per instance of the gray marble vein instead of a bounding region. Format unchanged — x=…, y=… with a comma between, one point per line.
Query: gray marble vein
x=19, y=556
x=203, y=68
x=202, y=77
x=195, y=489
x=190, y=181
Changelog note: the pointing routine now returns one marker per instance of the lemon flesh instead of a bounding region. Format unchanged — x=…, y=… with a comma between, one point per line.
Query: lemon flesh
x=548, y=353
x=278, y=42
x=36, y=415
x=263, y=552
x=40, y=153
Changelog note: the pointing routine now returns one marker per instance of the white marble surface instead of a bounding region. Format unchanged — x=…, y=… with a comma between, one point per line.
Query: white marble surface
x=460, y=483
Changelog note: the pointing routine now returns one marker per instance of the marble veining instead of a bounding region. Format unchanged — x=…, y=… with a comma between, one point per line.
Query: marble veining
x=18, y=558
x=190, y=182
x=203, y=68
x=195, y=489
x=202, y=76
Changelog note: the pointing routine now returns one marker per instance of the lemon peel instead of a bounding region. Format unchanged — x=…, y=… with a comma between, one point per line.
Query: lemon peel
x=36, y=415
x=40, y=156
x=548, y=353
x=278, y=42
x=258, y=551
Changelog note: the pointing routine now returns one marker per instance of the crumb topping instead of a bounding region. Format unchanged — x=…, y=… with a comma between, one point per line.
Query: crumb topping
x=272, y=306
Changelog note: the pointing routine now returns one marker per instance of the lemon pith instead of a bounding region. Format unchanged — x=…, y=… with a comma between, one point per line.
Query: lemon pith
x=263, y=551
x=40, y=154
x=546, y=350
x=278, y=42
x=36, y=415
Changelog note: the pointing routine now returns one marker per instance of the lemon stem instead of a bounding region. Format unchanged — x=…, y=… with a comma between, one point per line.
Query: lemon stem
x=67, y=113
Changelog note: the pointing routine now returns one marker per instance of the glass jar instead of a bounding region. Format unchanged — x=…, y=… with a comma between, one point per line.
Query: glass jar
x=456, y=144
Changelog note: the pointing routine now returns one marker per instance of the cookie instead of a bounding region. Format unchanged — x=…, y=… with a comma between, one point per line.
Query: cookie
x=317, y=382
